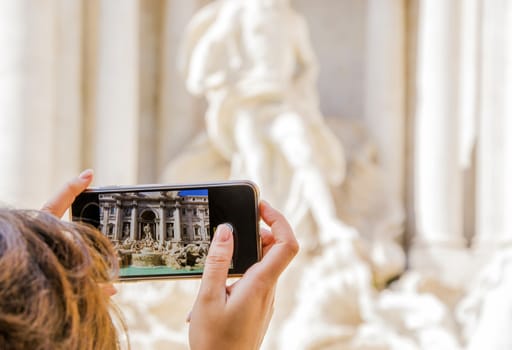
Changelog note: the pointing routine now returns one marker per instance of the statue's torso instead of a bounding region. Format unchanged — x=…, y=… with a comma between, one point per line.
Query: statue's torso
x=266, y=45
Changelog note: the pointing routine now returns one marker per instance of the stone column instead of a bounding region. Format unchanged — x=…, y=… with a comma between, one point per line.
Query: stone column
x=438, y=177
x=116, y=152
x=203, y=231
x=507, y=116
x=67, y=136
x=180, y=116
x=106, y=216
x=177, y=223
x=39, y=98
x=469, y=67
x=134, y=224
x=494, y=152
x=384, y=103
x=161, y=227
x=118, y=229
x=384, y=116
x=13, y=37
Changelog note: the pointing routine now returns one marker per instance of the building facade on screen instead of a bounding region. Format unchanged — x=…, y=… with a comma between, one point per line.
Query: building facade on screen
x=169, y=217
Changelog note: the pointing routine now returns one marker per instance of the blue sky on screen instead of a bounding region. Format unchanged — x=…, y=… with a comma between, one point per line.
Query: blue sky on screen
x=198, y=192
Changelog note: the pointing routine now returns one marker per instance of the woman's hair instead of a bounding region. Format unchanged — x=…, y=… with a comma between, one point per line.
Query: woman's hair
x=51, y=273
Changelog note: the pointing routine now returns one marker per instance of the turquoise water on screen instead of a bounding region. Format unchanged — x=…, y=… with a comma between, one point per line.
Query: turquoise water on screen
x=155, y=271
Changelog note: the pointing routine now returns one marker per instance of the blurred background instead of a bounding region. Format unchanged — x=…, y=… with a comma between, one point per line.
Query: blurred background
x=95, y=84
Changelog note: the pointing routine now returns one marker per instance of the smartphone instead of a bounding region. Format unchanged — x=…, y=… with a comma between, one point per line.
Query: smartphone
x=164, y=231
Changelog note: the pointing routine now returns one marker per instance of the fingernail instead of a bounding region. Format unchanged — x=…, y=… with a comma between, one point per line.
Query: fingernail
x=223, y=232
x=86, y=174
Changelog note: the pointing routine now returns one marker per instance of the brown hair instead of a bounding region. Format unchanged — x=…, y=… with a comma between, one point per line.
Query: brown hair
x=50, y=276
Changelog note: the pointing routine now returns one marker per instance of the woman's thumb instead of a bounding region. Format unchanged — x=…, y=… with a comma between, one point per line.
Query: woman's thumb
x=218, y=261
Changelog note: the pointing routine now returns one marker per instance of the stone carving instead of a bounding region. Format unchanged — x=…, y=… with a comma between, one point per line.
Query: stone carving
x=147, y=232
x=191, y=256
x=264, y=123
x=150, y=253
x=253, y=62
x=484, y=313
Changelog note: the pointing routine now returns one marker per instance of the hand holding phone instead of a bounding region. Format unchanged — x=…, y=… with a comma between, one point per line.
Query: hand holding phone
x=228, y=317
x=62, y=200
x=237, y=316
x=164, y=231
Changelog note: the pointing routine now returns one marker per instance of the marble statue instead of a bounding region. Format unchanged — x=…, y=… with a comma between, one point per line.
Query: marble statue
x=485, y=311
x=253, y=62
x=147, y=232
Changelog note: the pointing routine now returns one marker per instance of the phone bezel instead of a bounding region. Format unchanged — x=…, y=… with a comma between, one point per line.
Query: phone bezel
x=227, y=190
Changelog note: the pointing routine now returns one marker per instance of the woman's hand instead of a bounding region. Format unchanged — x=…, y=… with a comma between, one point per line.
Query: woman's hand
x=63, y=199
x=237, y=316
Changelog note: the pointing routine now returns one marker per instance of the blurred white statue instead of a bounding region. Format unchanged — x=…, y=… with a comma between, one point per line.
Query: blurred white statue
x=253, y=62
x=485, y=311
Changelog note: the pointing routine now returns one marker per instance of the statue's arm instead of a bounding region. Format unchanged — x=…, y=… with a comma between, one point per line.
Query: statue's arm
x=306, y=58
x=306, y=73
x=214, y=58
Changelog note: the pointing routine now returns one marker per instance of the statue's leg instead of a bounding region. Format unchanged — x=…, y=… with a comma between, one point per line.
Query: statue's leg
x=309, y=183
x=252, y=148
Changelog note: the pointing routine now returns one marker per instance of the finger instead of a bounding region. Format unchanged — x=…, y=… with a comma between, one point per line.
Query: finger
x=285, y=245
x=61, y=201
x=108, y=289
x=213, y=283
x=267, y=240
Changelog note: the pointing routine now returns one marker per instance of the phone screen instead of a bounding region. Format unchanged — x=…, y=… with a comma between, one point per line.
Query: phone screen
x=162, y=232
